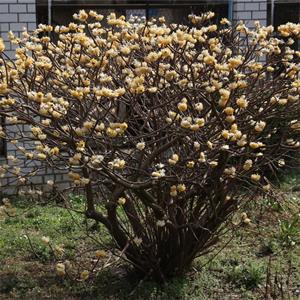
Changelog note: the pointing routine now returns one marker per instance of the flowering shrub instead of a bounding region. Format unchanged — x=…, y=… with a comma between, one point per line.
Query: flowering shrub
x=158, y=125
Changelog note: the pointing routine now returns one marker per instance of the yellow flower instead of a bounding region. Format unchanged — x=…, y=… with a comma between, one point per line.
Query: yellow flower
x=139, y=89
x=281, y=163
x=111, y=132
x=84, y=181
x=80, y=146
x=29, y=155
x=199, y=106
x=173, y=191
x=56, y=115
x=117, y=163
x=248, y=165
x=213, y=163
x=121, y=201
x=54, y=151
x=255, y=177
x=195, y=127
x=181, y=188
x=225, y=134
x=12, y=120
x=230, y=171
x=185, y=123
x=210, y=145
x=85, y=275
x=140, y=146
x=162, y=19
x=296, y=84
x=119, y=128
x=235, y=62
x=153, y=89
x=225, y=21
x=282, y=101
x=254, y=145
x=46, y=122
x=100, y=254
x=229, y=110
x=242, y=102
x=259, y=126
x=210, y=60
x=210, y=89
x=36, y=131
x=230, y=119
x=182, y=106
x=295, y=124
x=266, y=187
x=173, y=160
x=41, y=156
x=88, y=125
x=125, y=50
x=152, y=57
x=225, y=94
x=46, y=240
x=2, y=45
x=247, y=221
x=60, y=269
x=74, y=176
x=82, y=16
x=42, y=137
x=190, y=164
x=200, y=122
x=158, y=174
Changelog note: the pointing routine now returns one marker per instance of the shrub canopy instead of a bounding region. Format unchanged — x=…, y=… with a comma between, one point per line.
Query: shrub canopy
x=157, y=124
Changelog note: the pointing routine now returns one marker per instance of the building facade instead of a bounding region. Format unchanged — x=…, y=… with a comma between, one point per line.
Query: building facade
x=18, y=14
x=15, y=15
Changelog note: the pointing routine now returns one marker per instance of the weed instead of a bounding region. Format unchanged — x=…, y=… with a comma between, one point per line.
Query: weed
x=289, y=231
x=250, y=276
x=266, y=248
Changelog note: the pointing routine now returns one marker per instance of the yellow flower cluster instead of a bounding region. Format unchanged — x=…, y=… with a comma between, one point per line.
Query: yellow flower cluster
x=116, y=129
x=117, y=164
x=175, y=189
x=289, y=29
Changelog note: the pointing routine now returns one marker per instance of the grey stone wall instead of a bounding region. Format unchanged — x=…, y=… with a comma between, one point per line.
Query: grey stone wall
x=16, y=15
x=250, y=11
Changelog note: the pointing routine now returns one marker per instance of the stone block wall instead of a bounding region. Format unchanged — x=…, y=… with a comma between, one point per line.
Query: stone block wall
x=250, y=11
x=16, y=15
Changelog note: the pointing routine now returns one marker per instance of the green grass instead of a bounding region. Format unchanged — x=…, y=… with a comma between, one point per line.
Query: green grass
x=33, y=223
x=258, y=255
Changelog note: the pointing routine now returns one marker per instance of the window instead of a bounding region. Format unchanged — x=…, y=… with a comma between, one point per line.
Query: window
x=60, y=12
x=284, y=11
